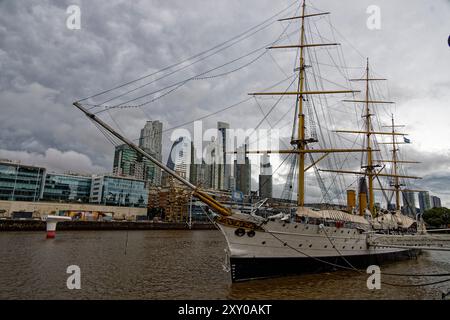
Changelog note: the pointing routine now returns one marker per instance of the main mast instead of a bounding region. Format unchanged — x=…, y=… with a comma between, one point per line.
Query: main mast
x=301, y=144
x=370, y=167
x=301, y=141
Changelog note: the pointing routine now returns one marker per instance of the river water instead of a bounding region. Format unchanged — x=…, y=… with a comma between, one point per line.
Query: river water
x=178, y=265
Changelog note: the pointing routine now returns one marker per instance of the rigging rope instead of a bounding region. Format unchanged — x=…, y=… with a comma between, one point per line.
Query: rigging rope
x=196, y=55
x=222, y=109
x=177, y=85
x=196, y=77
x=352, y=268
x=319, y=85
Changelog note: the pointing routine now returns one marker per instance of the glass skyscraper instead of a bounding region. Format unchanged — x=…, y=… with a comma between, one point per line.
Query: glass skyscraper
x=242, y=171
x=424, y=201
x=180, y=157
x=436, y=202
x=225, y=166
x=409, y=203
x=129, y=163
x=265, y=177
x=150, y=141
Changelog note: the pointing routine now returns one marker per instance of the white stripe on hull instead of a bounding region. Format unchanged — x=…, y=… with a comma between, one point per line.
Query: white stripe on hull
x=296, y=240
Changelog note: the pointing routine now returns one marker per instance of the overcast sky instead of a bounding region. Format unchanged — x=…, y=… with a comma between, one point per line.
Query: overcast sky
x=45, y=67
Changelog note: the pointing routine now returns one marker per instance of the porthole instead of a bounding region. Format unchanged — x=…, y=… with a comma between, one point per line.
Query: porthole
x=239, y=232
x=300, y=244
x=296, y=226
x=343, y=247
x=342, y=231
x=284, y=224
x=251, y=233
x=285, y=244
x=263, y=242
x=353, y=247
x=325, y=247
x=310, y=245
x=360, y=247
x=307, y=228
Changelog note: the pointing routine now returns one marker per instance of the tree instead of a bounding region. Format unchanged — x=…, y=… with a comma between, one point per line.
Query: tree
x=437, y=217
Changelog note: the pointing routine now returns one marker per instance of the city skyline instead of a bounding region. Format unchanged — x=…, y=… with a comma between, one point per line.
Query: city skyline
x=27, y=94
x=153, y=138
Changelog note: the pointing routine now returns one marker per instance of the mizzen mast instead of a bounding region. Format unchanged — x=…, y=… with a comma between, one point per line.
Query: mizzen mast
x=370, y=168
x=395, y=166
x=395, y=162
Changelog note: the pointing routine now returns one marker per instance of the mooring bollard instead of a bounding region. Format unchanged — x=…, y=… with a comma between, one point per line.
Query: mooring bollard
x=51, y=224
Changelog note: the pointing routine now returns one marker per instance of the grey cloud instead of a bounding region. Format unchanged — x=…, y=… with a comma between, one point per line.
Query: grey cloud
x=56, y=160
x=45, y=67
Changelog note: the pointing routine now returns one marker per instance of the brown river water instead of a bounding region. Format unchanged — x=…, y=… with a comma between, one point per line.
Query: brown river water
x=178, y=265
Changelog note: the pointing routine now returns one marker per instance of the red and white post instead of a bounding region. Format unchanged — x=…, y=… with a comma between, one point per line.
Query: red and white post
x=51, y=224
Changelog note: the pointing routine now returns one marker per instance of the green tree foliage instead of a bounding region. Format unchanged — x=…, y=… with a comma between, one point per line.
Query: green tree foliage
x=437, y=217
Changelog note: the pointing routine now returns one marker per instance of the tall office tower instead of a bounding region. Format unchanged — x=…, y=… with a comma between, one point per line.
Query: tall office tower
x=193, y=170
x=242, y=171
x=180, y=157
x=225, y=163
x=424, y=201
x=213, y=154
x=151, y=141
x=197, y=169
x=409, y=203
x=436, y=202
x=232, y=183
x=265, y=177
x=129, y=163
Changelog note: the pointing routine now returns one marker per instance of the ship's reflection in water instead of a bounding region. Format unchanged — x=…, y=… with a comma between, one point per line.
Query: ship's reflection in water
x=177, y=265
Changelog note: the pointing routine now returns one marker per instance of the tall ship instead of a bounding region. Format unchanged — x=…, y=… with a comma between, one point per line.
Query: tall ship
x=306, y=239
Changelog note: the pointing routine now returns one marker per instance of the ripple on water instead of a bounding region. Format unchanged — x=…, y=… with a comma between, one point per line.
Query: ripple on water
x=176, y=265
